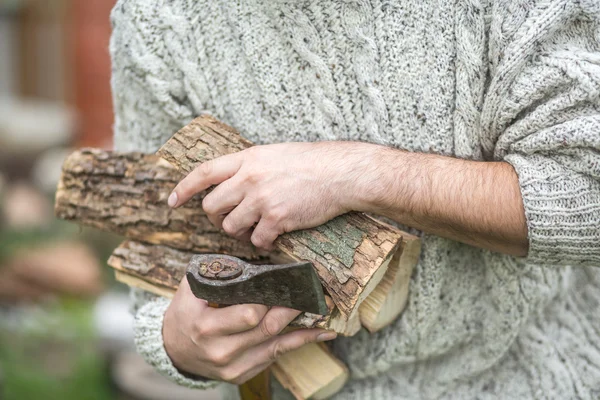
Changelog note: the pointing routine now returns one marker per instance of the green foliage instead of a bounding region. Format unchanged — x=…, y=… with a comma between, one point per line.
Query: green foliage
x=52, y=354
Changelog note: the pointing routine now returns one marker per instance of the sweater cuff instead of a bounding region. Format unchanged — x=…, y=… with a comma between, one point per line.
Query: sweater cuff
x=562, y=208
x=149, y=343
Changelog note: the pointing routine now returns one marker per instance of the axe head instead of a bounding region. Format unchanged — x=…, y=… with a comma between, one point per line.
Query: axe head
x=228, y=280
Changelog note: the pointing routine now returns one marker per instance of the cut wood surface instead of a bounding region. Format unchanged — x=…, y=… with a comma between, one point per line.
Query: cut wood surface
x=350, y=253
x=139, y=283
x=311, y=372
x=126, y=193
x=389, y=298
x=159, y=269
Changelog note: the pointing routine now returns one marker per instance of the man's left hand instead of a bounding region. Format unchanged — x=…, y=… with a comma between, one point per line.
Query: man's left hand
x=265, y=191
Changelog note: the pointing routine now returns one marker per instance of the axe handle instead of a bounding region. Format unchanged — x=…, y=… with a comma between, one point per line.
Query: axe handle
x=257, y=388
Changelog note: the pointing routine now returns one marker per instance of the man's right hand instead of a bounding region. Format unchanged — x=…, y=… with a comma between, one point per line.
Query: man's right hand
x=231, y=344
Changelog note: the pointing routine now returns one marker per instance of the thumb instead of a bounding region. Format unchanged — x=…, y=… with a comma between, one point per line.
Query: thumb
x=260, y=357
x=186, y=298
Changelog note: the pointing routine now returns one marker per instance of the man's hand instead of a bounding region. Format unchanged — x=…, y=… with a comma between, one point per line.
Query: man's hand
x=231, y=344
x=280, y=188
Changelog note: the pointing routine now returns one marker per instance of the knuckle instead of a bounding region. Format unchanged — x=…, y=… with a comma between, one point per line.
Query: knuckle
x=263, y=196
x=219, y=357
x=252, y=317
x=202, y=329
x=229, y=375
x=229, y=226
x=276, y=350
x=253, y=177
x=269, y=326
x=206, y=168
x=258, y=240
x=208, y=205
x=277, y=214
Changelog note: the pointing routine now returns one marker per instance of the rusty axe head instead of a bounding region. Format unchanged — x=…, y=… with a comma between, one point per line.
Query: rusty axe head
x=228, y=280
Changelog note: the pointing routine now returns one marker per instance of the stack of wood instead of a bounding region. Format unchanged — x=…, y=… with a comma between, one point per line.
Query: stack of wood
x=364, y=264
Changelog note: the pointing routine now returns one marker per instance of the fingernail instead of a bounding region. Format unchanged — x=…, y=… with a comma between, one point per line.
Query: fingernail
x=325, y=336
x=172, y=201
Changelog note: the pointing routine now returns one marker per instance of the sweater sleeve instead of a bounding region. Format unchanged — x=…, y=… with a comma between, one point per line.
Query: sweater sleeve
x=150, y=105
x=543, y=111
x=149, y=312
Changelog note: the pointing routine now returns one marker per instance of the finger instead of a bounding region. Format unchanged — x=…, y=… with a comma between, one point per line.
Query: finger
x=234, y=319
x=251, y=373
x=207, y=174
x=271, y=325
x=245, y=237
x=216, y=219
x=264, y=234
x=241, y=370
x=241, y=219
x=224, y=198
x=274, y=348
x=188, y=300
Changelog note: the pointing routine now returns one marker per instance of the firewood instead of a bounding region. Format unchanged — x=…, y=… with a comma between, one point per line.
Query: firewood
x=159, y=269
x=126, y=193
x=311, y=372
x=389, y=298
x=350, y=253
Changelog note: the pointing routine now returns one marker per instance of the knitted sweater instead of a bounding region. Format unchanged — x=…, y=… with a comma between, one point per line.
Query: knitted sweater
x=512, y=80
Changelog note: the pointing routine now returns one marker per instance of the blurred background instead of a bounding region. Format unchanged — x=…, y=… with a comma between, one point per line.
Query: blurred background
x=65, y=327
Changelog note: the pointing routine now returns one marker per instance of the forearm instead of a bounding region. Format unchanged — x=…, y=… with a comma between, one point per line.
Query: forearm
x=478, y=203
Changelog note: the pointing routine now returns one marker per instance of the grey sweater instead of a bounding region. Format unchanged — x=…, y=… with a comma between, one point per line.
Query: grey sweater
x=511, y=80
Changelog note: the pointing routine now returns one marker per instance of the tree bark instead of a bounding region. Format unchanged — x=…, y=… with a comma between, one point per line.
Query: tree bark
x=126, y=193
x=350, y=253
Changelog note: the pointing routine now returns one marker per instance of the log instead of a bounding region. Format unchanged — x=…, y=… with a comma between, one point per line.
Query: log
x=159, y=269
x=126, y=193
x=311, y=372
x=350, y=253
x=389, y=298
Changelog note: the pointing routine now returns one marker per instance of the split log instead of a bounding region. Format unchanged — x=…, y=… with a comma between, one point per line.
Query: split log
x=126, y=193
x=311, y=372
x=136, y=282
x=159, y=269
x=389, y=298
x=350, y=253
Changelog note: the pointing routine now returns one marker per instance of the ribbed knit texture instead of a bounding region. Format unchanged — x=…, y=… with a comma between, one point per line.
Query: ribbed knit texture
x=512, y=80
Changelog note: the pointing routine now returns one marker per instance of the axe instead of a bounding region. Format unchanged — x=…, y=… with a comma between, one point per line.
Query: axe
x=225, y=280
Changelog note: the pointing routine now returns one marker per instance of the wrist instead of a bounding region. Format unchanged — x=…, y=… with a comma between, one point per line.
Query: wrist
x=170, y=342
x=383, y=180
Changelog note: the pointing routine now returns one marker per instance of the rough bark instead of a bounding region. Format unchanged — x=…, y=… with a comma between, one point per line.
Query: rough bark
x=350, y=253
x=159, y=269
x=203, y=139
x=126, y=193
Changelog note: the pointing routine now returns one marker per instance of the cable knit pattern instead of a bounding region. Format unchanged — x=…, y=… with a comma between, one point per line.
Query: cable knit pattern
x=492, y=80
